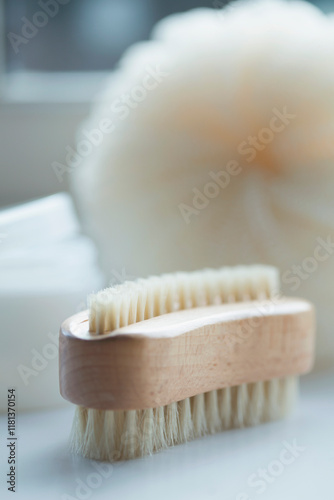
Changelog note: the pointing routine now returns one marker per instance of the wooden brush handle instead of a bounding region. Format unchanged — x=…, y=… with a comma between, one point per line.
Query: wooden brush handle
x=178, y=355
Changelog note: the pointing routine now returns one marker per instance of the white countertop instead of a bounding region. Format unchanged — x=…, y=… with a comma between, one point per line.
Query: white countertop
x=216, y=467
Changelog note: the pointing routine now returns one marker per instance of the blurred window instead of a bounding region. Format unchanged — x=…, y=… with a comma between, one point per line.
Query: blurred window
x=84, y=35
x=54, y=51
x=54, y=56
x=80, y=35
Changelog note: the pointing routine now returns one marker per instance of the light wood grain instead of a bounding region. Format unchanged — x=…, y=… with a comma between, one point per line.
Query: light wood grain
x=169, y=358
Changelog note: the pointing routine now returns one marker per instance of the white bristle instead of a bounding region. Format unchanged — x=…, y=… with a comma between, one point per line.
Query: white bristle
x=135, y=301
x=141, y=302
x=256, y=404
x=111, y=435
x=185, y=422
x=212, y=412
x=129, y=444
x=225, y=407
x=159, y=430
x=198, y=414
x=146, y=432
x=241, y=401
x=117, y=435
x=171, y=424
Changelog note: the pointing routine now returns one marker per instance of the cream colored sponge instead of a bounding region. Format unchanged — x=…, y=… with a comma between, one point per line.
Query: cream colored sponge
x=212, y=145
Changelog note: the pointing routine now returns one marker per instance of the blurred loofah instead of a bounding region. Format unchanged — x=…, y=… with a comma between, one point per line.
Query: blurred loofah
x=228, y=157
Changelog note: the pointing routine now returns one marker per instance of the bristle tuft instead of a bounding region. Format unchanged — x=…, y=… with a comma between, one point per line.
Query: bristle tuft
x=122, y=435
x=143, y=299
